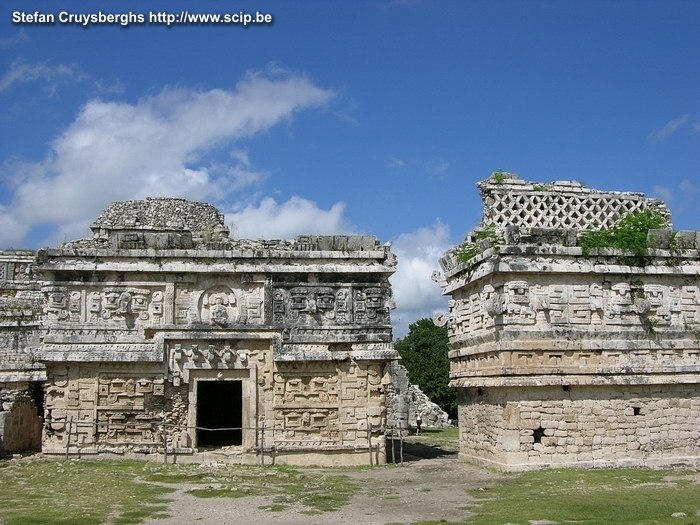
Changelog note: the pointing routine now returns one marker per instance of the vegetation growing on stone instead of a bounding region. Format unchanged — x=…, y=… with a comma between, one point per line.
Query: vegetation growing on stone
x=470, y=249
x=498, y=177
x=629, y=234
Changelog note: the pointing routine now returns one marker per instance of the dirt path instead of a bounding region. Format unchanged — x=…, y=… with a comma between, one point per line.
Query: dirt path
x=423, y=490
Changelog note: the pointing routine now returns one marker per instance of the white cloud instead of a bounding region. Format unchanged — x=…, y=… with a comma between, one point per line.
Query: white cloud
x=269, y=219
x=663, y=193
x=7, y=43
x=157, y=146
x=22, y=72
x=670, y=128
x=396, y=163
x=416, y=294
x=436, y=167
x=687, y=186
x=689, y=192
x=111, y=88
x=680, y=199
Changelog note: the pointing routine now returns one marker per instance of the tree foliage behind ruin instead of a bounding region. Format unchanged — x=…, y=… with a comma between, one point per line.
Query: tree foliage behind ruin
x=424, y=354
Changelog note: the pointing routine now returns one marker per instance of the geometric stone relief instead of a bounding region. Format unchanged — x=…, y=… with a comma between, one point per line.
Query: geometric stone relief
x=320, y=398
x=607, y=303
x=98, y=407
x=326, y=305
x=562, y=204
x=579, y=361
x=518, y=308
x=220, y=305
x=16, y=269
x=294, y=426
x=306, y=390
x=213, y=355
x=109, y=305
x=121, y=410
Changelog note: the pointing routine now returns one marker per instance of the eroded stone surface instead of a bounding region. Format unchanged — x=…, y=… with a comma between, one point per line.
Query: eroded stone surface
x=562, y=358
x=162, y=334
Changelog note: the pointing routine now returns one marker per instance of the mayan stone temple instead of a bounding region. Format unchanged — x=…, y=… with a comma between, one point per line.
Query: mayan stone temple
x=566, y=356
x=161, y=336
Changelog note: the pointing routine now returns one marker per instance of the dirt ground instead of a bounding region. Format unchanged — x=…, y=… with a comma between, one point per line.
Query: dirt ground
x=431, y=485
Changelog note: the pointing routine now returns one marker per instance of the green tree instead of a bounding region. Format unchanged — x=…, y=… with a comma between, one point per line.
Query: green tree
x=424, y=354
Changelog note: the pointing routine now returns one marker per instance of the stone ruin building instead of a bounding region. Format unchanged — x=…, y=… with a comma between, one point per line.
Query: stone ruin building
x=21, y=376
x=406, y=400
x=160, y=335
x=563, y=357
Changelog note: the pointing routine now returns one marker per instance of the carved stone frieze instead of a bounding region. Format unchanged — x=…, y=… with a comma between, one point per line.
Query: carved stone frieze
x=602, y=303
x=314, y=305
x=109, y=305
x=160, y=330
x=565, y=355
x=219, y=304
x=212, y=355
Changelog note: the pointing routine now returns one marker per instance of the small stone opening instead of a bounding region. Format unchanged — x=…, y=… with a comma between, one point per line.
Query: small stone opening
x=538, y=434
x=37, y=392
x=636, y=411
x=219, y=413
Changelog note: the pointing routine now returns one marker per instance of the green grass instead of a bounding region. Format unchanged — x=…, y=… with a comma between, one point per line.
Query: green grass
x=45, y=491
x=630, y=496
x=316, y=492
x=445, y=438
x=42, y=491
x=76, y=493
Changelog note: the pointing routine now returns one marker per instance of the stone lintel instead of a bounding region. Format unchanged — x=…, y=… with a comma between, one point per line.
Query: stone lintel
x=341, y=335
x=177, y=333
x=624, y=342
x=559, y=259
x=195, y=254
x=321, y=352
x=576, y=380
x=365, y=266
x=19, y=319
x=306, y=445
x=91, y=352
x=17, y=255
x=19, y=376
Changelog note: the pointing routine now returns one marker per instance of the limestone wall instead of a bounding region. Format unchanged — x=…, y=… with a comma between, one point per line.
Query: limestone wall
x=20, y=424
x=162, y=335
x=20, y=370
x=642, y=425
x=562, y=356
x=20, y=314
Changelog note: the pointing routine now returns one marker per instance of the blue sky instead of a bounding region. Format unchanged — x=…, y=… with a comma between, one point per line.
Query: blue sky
x=362, y=116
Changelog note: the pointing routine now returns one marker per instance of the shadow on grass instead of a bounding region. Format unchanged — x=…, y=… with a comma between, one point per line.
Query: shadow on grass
x=417, y=452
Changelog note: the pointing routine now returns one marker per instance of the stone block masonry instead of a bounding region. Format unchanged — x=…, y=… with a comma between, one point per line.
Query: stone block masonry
x=562, y=358
x=21, y=374
x=161, y=336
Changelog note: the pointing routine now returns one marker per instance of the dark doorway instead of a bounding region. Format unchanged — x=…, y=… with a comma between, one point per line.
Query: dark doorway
x=219, y=413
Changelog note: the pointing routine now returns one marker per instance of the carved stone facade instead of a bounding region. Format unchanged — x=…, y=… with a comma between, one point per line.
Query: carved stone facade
x=20, y=372
x=161, y=335
x=566, y=359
